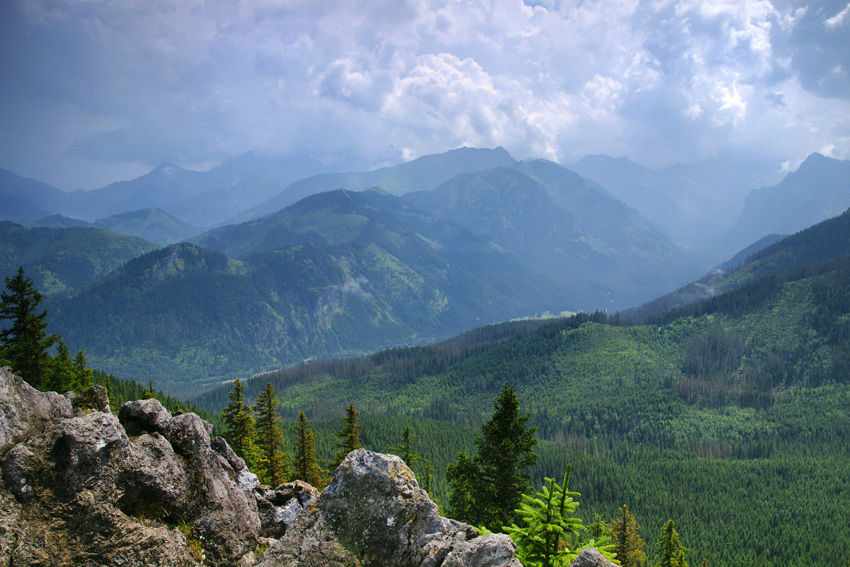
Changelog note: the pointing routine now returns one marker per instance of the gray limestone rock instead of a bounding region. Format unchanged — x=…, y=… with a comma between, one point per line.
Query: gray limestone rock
x=142, y=416
x=24, y=411
x=78, y=490
x=278, y=507
x=591, y=557
x=374, y=513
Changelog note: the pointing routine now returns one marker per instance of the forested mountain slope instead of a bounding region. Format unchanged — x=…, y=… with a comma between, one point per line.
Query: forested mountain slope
x=339, y=274
x=419, y=174
x=730, y=416
x=61, y=261
x=568, y=226
x=826, y=240
x=818, y=190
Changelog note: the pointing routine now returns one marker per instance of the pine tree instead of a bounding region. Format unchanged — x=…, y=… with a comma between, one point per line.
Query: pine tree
x=628, y=545
x=549, y=528
x=349, y=435
x=26, y=342
x=84, y=374
x=271, y=461
x=307, y=466
x=240, y=423
x=670, y=549
x=490, y=486
x=405, y=448
x=60, y=376
x=150, y=392
x=463, y=476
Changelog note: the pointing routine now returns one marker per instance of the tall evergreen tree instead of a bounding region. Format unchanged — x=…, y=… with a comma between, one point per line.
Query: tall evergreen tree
x=349, y=435
x=26, y=342
x=491, y=485
x=271, y=460
x=84, y=374
x=549, y=528
x=239, y=423
x=60, y=375
x=405, y=448
x=670, y=549
x=306, y=466
x=628, y=545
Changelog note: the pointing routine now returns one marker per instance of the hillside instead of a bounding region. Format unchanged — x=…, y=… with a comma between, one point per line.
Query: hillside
x=772, y=255
x=818, y=190
x=691, y=203
x=307, y=285
x=151, y=224
x=736, y=404
x=567, y=226
x=419, y=174
x=61, y=261
x=22, y=198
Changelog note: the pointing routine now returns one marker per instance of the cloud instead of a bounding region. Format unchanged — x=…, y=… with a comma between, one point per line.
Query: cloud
x=100, y=83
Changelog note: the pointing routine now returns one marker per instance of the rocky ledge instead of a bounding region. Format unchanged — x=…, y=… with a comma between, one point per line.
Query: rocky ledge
x=82, y=486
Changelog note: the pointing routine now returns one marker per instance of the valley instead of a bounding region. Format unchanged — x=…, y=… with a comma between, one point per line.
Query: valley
x=718, y=400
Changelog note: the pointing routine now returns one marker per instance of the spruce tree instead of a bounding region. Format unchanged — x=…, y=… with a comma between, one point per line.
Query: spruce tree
x=60, y=376
x=349, y=435
x=628, y=545
x=306, y=466
x=271, y=460
x=84, y=374
x=26, y=342
x=490, y=485
x=548, y=526
x=670, y=549
x=405, y=448
x=240, y=423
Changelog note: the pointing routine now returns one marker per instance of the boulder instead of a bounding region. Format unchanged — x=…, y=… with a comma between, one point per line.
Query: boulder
x=24, y=411
x=145, y=416
x=374, y=513
x=591, y=557
x=83, y=490
x=278, y=507
x=93, y=399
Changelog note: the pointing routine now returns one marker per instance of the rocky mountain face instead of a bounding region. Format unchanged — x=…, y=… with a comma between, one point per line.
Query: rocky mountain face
x=82, y=486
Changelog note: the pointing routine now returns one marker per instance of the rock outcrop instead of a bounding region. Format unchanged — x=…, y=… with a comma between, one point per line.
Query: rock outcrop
x=90, y=488
x=591, y=558
x=81, y=486
x=374, y=513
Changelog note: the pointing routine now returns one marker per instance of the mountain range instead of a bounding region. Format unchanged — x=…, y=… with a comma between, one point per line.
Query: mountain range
x=62, y=261
x=474, y=237
x=729, y=415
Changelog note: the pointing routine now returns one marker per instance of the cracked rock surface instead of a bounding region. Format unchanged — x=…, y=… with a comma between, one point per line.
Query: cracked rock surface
x=374, y=513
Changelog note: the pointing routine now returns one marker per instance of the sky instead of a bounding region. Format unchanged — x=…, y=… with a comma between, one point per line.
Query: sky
x=95, y=91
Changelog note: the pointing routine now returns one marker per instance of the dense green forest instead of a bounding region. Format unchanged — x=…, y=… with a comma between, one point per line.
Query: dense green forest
x=731, y=416
x=62, y=261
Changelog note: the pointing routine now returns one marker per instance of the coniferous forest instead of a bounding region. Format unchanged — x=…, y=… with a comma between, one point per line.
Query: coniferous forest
x=730, y=416
x=721, y=426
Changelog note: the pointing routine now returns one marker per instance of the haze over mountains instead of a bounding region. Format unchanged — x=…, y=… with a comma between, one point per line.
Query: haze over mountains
x=406, y=254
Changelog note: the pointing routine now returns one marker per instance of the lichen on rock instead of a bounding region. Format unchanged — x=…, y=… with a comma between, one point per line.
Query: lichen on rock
x=373, y=512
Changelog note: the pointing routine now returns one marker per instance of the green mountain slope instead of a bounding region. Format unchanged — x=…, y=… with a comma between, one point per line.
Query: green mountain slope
x=338, y=274
x=730, y=417
x=151, y=224
x=567, y=226
x=61, y=261
x=824, y=241
x=419, y=174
